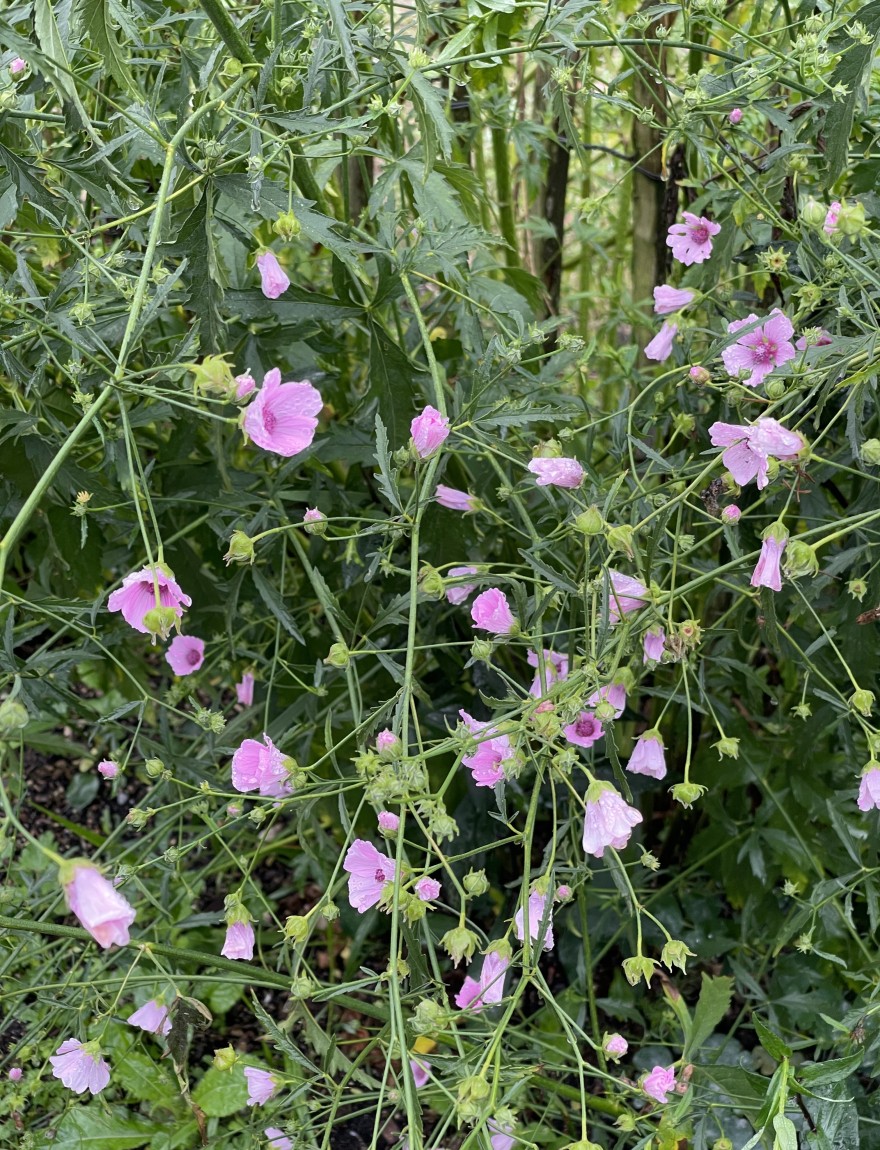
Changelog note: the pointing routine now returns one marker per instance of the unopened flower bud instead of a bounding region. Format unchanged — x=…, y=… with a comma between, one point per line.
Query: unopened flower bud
x=731, y=514
x=727, y=748
x=475, y=882
x=241, y=549
x=296, y=928
x=213, y=376
x=870, y=452
x=699, y=375
x=775, y=389
x=160, y=621
x=429, y=1017
x=851, y=219
x=225, y=1058
x=683, y=422
x=621, y=539
x=472, y=1093
x=431, y=582
x=13, y=716
x=459, y=943
x=813, y=213
x=287, y=226
x=605, y=711
x=314, y=522
x=800, y=559
x=862, y=701
x=590, y=522
x=563, y=893
x=614, y=1045
x=154, y=768
x=481, y=649
x=687, y=793
x=676, y=953
x=338, y=656
x=637, y=968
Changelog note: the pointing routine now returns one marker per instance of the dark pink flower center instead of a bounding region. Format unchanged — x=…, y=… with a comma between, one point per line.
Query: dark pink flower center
x=269, y=419
x=379, y=876
x=764, y=351
x=192, y=657
x=585, y=727
x=699, y=233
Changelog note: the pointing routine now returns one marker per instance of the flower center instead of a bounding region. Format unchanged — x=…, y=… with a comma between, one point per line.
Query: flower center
x=379, y=876
x=585, y=727
x=192, y=657
x=700, y=234
x=765, y=351
x=269, y=420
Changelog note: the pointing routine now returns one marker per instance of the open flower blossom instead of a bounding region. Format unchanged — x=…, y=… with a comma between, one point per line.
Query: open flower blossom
x=273, y=281
x=668, y=299
x=151, y=1017
x=278, y=1140
x=869, y=789
x=691, y=241
x=660, y=347
x=282, y=417
x=487, y=762
x=540, y=907
x=100, y=908
x=555, y=671
x=239, y=941
x=659, y=1083
x=458, y=594
x=429, y=430
x=761, y=349
x=368, y=871
x=453, y=499
x=80, y=1066
x=609, y=820
x=488, y=989
x=626, y=595
x=420, y=1071
x=613, y=693
x=261, y=1085
x=585, y=730
x=501, y=1136
x=750, y=446
x=108, y=768
x=560, y=471
x=767, y=572
x=427, y=889
x=244, y=691
x=137, y=596
x=185, y=654
x=653, y=644
x=260, y=766
x=490, y=612
x=648, y=756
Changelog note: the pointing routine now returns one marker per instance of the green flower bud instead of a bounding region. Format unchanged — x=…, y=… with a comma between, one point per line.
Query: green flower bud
x=314, y=522
x=862, y=701
x=722, y=1144
x=231, y=68
x=800, y=559
x=429, y=1018
x=472, y=1094
x=459, y=943
x=296, y=929
x=605, y=711
x=676, y=953
x=584, y=1144
x=683, y=423
x=481, y=649
x=225, y=1058
x=287, y=226
x=621, y=539
x=339, y=656
x=851, y=219
x=431, y=582
x=475, y=882
x=637, y=968
x=330, y=910
x=727, y=748
x=303, y=987
x=871, y=452
x=590, y=522
x=13, y=716
x=813, y=213
x=802, y=710
x=858, y=588
x=241, y=549
x=775, y=388
x=213, y=376
x=160, y=621
x=686, y=793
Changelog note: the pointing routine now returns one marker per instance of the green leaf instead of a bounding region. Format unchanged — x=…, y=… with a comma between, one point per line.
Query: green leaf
x=771, y=1042
x=94, y=20
x=144, y=1079
x=786, y=1134
x=27, y=181
x=221, y=1092
x=393, y=382
x=195, y=241
x=386, y=478
x=712, y=1005
x=92, y=1127
x=849, y=72
x=341, y=27
x=271, y=597
x=49, y=38
x=281, y=1040
x=832, y=1070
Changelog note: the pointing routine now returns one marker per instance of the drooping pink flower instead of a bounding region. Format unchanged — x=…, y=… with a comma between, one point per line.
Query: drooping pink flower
x=613, y=693
x=767, y=573
x=668, y=299
x=654, y=644
x=137, y=596
x=273, y=281
x=501, y=1136
x=420, y=1071
x=869, y=790
x=490, y=612
x=101, y=909
x=823, y=339
x=750, y=446
x=830, y=225
x=463, y=591
x=429, y=430
x=584, y=731
x=660, y=347
x=108, y=768
x=80, y=1066
x=736, y=114
x=17, y=66
x=185, y=654
x=691, y=241
x=555, y=671
x=261, y=1085
x=659, y=1083
x=282, y=417
x=15, y=1073
x=244, y=690
x=453, y=499
x=627, y=594
x=488, y=989
x=648, y=756
x=731, y=514
x=244, y=385
x=615, y=1045
x=261, y=767
x=388, y=822
x=368, y=871
x=609, y=820
x=760, y=350
x=151, y=1017
x=278, y=1140
x=239, y=941
x=427, y=889
x=486, y=763
x=539, y=908
x=559, y=472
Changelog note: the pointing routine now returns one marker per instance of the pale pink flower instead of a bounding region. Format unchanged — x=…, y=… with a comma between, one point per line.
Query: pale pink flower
x=137, y=596
x=668, y=299
x=760, y=350
x=767, y=573
x=613, y=693
x=453, y=499
x=486, y=763
x=584, y=731
x=261, y=767
x=823, y=339
x=659, y=1083
x=273, y=281
x=830, y=225
x=627, y=594
x=244, y=385
x=17, y=66
x=463, y=591
x=313, y=515
x=555, y=671
x=501, y=1137
x=278, y=1140
x=151, y=1017
x=699, y=374
x=488, y=990
x=539, y=909
x=427, y=889
x=654, y=644
x=869, y=790
x=609, y=820
x=80, y=1066
x=616, y=1045
x=429, y=430
x=283, y=416
x=691, y=241
x=244, y=690
x=490, y=612
x=750, y=446
x=648, y=756
x=731, y=514
x=15, y=1073
x=239, y=941
x=108, y=768
x=388, y=822
x=185, y=654
x=735, y=115
x=559, y=472
x=104, y=913
x=420, y=1071
x=368, y=871
x=261, y=1085
x=660, y=347
x=387, y=743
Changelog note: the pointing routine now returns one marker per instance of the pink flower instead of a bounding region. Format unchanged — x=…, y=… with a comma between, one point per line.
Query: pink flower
x=613, y=693
x=273, y=281
x=489, y=989
x=830, y=225
x=457, y=595
x=559, y=472
x=388, y=821
x=151, y=1017
x=659, y=1083
x=627, y=594
x=767, y=573
x=749, y=448
x=239, y=941
x=137, y=596
x=869, y=790
x=244, y=385
x=261, y=1085
x=282, y=416
x=387, y=743
x=501, y=1138
x=15, y=1073
x=691, y=242
x=760, y=350
x=660, y=347
x=490, y=612
x=668, y=299
x=454, y=499
x=584, y=731
x=17, y=66
x=427, y=889
x=278, y=1140
x=420, y=1071
x=108, y=768
x=538, y=910
x=185, y=654
x=654, y=644
x=313, y=515
x=731, y=514
x=261, y=767
x=428, y=431
x=699, y=374
x=555, y=671
x=368, y=872
x=486, y=763
x=616, y=1045
x=735, y=115
x=823, y=339
x=609, y=820
x=80, y=1066
x=648, y=757
x=245, y=689
x=104, y=913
